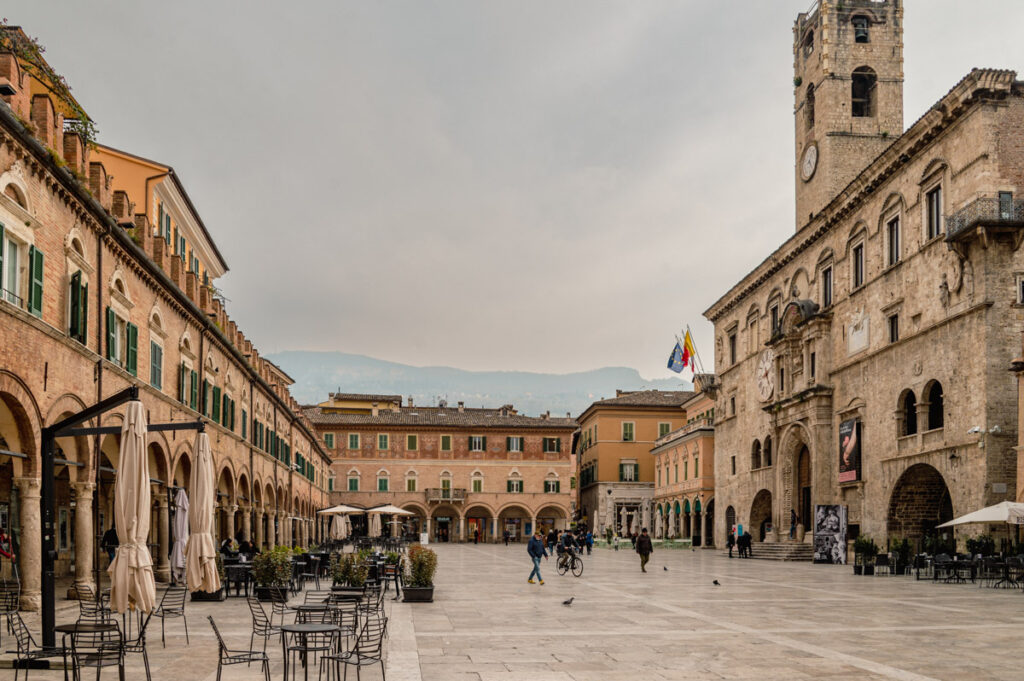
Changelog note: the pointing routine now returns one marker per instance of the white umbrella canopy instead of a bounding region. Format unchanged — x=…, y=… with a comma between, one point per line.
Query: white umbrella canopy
x=180, y=535
x=635, y=527
x=390, y=509
x=1003, y=512
x=340, y=509
x=200, y=551
x=131, y=571
x=375, y=525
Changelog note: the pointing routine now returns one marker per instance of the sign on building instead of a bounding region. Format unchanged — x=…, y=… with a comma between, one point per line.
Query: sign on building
x=830, y=534
x=849, y=451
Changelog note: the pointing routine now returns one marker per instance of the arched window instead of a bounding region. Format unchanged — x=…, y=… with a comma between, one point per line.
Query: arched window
x=934, y=397
x=808, y=43
x=477, y=481
x=908, y=413
x=766, y=452
x=13, y=192
x=410, y=481
x=383, y=480
x=861, y=33
x=755, y=455
x=862, y=100
x=809, y=106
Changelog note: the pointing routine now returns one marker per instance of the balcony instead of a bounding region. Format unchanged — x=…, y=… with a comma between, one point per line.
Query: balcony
x=439, y=494
x=1001, y=213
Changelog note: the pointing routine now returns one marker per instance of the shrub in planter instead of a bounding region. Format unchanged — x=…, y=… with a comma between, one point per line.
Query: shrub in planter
x=984, y=544
x=272, y=569
x=865, y=550
x=901, y=551
x=419, y=576
x=348, y=569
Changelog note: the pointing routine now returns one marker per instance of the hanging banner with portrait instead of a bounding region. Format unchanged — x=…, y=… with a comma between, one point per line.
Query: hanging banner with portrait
x=849, y=451
x=830, y=534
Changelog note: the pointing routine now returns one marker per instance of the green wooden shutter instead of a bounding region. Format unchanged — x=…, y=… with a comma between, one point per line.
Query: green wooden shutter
x=193, y=390
x=558, y=486
x=132, y=354
x=75, y=321
x=622, y=472
x=181, y=384
x=2, y=243
x=215, y=405
x=508, y=486
x=205, y=404
x=83, y=305
x=167, y=228
x=245, y=422
x=156, y=361
x=35, y=292
x=111, y=334
x=508, y=444
x=484, y=441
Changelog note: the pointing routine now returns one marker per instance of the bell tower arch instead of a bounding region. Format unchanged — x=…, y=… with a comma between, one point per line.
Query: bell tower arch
x=848, y=92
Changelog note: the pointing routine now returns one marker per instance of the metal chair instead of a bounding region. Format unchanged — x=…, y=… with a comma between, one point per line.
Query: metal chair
x=28, y=649
x=313, y=596
x=226, y=656
x=261, y=624
x=10, y=598
x=172, y=605
x=368, y=651
x=98, y=650
x=882, y=563
x=279, y=603
x=137, y=645
x=372, y=601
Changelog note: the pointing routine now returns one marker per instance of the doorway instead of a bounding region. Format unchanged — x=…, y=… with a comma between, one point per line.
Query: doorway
x=804, y=485
x=443, y=530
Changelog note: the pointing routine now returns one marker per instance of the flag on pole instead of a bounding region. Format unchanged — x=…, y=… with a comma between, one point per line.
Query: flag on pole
x=675, y=361
x=689, y=353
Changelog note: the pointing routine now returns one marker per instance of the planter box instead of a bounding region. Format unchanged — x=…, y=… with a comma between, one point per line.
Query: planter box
x=858, y=569
x=266, y=593
x=869, y=570
x=218, y=595
x=418, y=594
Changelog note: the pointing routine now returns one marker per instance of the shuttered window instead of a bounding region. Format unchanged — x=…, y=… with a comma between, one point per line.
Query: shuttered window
x=79, y=296
x=215, y=405
x=156, y=365
x=514, y=444
x=552, y=444
x=35, y=281
x=193, y=398
x=132, y=354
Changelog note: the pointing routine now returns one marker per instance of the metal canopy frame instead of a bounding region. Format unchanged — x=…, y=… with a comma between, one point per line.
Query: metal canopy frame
x=47, y=496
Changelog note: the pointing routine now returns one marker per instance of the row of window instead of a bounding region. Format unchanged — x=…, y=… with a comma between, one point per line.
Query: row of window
x=513, y=485
x=176, y=243
x=475, y=443
x=666, y=480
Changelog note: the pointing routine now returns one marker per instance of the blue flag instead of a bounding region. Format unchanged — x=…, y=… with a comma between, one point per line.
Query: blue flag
x=675, y=360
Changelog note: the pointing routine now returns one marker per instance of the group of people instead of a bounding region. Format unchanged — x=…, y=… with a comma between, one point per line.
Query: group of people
x=563, y=543
x=743, y=542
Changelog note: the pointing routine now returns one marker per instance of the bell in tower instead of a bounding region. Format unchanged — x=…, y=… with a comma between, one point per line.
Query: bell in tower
x=848, y=89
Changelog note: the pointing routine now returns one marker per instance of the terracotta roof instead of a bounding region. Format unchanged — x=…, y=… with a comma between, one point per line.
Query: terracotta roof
x=363, y=397
x=438, y=416
x=648, y=398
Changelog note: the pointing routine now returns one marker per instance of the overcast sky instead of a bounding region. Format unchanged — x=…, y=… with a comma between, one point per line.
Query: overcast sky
x=487, y=185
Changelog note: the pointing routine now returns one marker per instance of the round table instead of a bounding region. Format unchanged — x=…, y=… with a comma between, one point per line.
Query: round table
x=66, y=630
x=306, y=608
x=303, y=630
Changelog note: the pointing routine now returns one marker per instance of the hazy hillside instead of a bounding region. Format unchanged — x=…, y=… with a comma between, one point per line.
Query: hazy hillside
x=318, y=373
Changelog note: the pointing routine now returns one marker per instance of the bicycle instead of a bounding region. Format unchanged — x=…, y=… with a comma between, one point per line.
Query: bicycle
x=570, y=561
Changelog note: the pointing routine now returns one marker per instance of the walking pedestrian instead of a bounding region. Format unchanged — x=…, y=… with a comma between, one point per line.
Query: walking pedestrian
x=644, y=548
x=615, y=541
x=750, y=544
x=506, y=536
x=476, y=536
x=110, y=542
x=632, y=538
x=792, y=523
x=590, y=542
x=730, y=542
x=536, y=550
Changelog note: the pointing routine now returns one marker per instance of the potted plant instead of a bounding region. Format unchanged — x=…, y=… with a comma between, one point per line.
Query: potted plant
x=349, y=570
x=983, y=545
x=865, y=550
x=271, y=572
x=901, y=551
x=419, y=576
x=221, y=593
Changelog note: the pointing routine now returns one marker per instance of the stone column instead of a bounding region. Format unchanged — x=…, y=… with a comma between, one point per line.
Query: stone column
x=233, y=520
x=533, y=525
x=462, y=528
x=494, y=529
x=271, y=533
x=259, y=528
x=246, y=525
x=161, y=562
x=430, y=537
x=30, y=550
x=84, y=533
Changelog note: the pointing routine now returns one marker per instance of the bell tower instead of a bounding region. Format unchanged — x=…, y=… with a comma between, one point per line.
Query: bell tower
x=848, y=90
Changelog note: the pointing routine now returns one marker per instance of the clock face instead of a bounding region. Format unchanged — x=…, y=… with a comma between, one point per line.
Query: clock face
x=766, y=375
x=810, y=162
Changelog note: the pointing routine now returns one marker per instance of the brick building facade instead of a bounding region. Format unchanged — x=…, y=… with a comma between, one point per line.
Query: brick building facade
x=871, y=348
x=94, y=300
x=459, y=470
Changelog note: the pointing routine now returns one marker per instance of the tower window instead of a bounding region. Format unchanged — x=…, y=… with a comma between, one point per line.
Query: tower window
x=809, y=106
x=858, y=266
x=863, y=92
x=892, y=230
x=809, y=44
x=826, y=287
x=860, y=30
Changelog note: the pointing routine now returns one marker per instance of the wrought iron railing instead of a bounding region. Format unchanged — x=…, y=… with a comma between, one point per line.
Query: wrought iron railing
x=987, y=211
x=11, y=298
x=442, y=494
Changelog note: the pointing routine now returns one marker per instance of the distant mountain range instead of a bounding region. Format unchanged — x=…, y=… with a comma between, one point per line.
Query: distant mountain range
x=318, y=373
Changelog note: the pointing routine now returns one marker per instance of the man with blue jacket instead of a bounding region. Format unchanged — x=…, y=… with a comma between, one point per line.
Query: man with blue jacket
x=537, y=551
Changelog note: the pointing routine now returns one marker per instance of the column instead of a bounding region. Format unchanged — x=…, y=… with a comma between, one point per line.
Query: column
x=430, y=537
x=83, y=533
x=494, y=529
x=533, y=526
x=259, y=529
x=30, y=550
x=246, y=525
x=700, y=520
x=232, y=521
x=271, y=531
x=462, y=528
x=161, y=562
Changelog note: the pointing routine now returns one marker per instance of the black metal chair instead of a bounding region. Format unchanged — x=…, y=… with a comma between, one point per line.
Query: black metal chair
x=10, y=599
x=137, y=645
x=261, y=624
x=226, y=656
x=367, y=651
x=279, y=603
x=27, y=649
x=172, y=605
x=98, y=650
x=882, y=564
x=310, y=571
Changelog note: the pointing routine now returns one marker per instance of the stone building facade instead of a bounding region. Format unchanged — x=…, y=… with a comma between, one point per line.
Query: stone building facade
x=94, y=300
x=684, y=476
x=869, y=352
x=459, y=470
x=613, y=450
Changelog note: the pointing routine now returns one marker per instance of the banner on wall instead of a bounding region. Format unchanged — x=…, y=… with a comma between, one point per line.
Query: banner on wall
x=830, y=534
x=849, y=451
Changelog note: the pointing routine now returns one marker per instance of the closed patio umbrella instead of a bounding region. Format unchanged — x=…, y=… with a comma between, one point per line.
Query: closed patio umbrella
x=337, y=528
x=180, y=536
x=200, y=552
x=131, y=571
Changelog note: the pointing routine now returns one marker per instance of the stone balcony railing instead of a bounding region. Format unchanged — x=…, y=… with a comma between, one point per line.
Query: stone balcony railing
x=1002, y=211
x=438, y=494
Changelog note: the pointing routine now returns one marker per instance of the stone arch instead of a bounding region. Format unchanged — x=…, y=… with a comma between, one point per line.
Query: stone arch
x=182, y=467
x=243, y=488
x=75, y=449
x=932, y=400
x=919, y=502
x=709, y=522
x=760, y=514
x=159, y=465
x=933, y=168
x=269, y=498
x=863, y=92
x=226, y=482
x=730, y=519
x=799, y=284
x=14, y=187
x=794, y=440
x=906, y=413
x=22, y=432
x=755, y=455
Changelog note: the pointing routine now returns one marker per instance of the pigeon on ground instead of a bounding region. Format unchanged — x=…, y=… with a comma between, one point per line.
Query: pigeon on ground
x=664, y=568
x=568, y=602
x=715, y=582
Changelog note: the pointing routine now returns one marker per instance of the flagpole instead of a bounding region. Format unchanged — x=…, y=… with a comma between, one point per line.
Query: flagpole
x=696, y=354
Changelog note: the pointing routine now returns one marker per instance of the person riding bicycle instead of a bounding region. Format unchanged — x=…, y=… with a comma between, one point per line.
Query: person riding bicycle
x=566, y=547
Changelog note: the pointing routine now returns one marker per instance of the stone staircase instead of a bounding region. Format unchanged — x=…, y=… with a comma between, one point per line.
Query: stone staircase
x=784, y=550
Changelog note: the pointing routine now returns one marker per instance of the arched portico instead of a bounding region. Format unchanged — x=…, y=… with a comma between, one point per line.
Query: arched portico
x=515, y=519
x=919, y=503
x=760, y=514
x=444, y=523
x=479, y=519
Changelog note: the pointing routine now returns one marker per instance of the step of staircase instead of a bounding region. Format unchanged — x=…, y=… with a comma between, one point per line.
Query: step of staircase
x=779, y=551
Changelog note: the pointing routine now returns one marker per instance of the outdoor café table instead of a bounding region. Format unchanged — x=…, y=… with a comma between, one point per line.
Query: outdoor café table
x=304, y=610
x=66, y=630
x=302, y=630
x=1007, y=578
x=238, y=573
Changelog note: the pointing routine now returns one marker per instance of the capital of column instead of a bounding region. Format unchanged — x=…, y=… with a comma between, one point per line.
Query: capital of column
x=28, y=488
x=233, y=508
x=83, y=490
x=160, y=500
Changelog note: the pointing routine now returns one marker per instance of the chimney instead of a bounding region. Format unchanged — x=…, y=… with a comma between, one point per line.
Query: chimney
x=43, y=118
x=618, y=393
x=158, y=253
x=143, y=233
x=99, y=184
x=410, y=400
x=374, y=410
x=75, y=153
x=462, y=407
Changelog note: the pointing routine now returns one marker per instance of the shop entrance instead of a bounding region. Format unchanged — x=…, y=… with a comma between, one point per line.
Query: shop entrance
x=442, y=529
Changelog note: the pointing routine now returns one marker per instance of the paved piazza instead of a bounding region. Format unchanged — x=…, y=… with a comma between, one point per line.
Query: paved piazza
x=767, y=620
